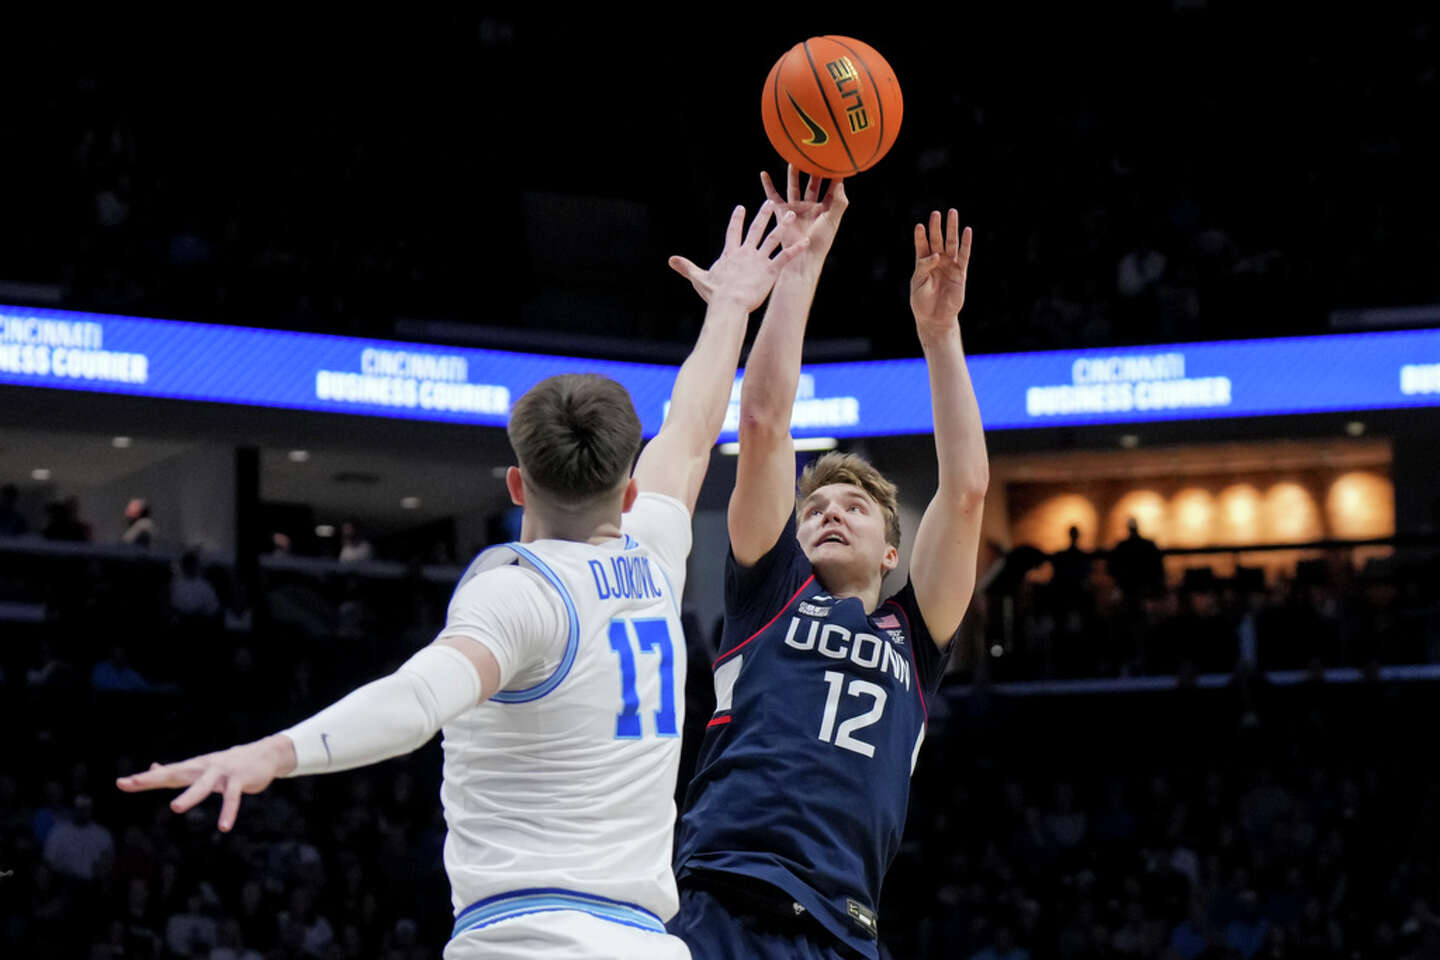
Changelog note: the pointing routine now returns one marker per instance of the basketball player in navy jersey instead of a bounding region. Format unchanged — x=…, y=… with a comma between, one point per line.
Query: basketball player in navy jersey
x=822, y=677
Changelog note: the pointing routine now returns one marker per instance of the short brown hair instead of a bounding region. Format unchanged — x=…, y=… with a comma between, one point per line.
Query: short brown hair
x=576, y=435
x=856, y=470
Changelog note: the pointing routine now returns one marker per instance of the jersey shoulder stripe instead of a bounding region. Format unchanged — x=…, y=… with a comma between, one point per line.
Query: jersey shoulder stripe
x=910, y=649
x=572, y=643
x=785, y=606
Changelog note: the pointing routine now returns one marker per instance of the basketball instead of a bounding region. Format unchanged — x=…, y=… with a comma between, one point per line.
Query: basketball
x=832, y=106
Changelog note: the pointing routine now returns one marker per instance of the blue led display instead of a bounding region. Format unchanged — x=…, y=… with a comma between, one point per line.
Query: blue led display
x=274, y=368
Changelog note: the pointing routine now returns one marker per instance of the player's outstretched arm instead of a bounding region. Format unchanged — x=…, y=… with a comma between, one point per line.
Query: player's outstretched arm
x=942, y=567
x=383, y=719
x=674, y=462
x=764, y=495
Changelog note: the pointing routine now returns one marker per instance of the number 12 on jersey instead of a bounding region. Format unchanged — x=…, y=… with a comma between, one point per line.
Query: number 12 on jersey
x=844, y=737
x=652, y=636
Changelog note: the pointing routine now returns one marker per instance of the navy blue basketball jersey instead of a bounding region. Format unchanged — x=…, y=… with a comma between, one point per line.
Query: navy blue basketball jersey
x=804, y=776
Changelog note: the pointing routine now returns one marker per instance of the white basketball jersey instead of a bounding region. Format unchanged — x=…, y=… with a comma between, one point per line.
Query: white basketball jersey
x=564, y=781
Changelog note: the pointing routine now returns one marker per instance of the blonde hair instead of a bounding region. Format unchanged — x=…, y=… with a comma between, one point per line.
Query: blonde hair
x=857, y=471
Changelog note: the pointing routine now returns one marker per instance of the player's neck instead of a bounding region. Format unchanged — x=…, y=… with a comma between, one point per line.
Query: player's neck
x=578, y=529
x=867, y=592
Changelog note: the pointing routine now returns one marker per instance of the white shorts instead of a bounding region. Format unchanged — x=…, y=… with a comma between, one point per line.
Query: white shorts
x=564, y=935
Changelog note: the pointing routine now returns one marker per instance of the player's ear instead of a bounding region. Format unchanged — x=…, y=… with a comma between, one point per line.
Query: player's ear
x=515, y=483
x=890, y=560
x=632, y=490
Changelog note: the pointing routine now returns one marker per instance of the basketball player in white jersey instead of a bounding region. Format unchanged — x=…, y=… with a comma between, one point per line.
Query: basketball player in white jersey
x=559, y=677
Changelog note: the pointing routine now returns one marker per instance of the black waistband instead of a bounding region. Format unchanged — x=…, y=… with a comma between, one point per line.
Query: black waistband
x=762, y=906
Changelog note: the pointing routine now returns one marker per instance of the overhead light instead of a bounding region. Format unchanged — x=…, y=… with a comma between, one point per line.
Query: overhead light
x=410, y=503
x=325, y=530
x=40, y=473
x=121, y=443
x=298, y=456
x=1355, y=428
x=499, y=472
x=1129, y=441
x=997, y=651
x=801, y=444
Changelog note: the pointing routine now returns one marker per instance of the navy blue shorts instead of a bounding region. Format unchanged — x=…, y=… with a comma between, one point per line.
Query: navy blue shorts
x=715, y=929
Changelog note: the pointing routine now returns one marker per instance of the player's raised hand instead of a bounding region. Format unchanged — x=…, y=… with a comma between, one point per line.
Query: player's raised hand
x=937, y=288
x=248, y=768
x=749, y=264
x=815, y=219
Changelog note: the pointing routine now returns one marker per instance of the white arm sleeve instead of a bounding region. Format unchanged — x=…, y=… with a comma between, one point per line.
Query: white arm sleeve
x=391, y=716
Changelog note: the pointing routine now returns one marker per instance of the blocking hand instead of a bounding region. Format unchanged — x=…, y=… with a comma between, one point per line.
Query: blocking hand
x=749, y=264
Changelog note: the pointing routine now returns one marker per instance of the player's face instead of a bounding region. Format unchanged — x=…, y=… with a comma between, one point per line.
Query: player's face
x=842, y=531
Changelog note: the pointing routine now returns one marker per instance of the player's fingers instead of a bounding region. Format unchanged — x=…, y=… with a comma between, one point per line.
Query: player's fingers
x=937, y=238
x=792, y=183
x=835, y=196
x=964, y=254
x=161, y=775
x=952, y=233
x=230, y=808
x=922, y=243
x=790, y=253
x=198, y=791
x=685, y=268
x=812, y=188
x=771, y=193
x=758, y=225
x=772, y=239
x=736, y=228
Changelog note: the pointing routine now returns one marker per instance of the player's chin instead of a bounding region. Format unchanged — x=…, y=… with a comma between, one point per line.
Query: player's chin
x=827, y=551
x=836, y=562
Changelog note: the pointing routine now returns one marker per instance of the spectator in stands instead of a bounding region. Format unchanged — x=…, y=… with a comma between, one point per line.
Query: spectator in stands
x=1065, y=824
x=1248, y=932
x=303, y=924
x=1196, y=936
x=1136, y=565
x=63, y=521
x=1072, y=573
x=115, y=675
x=239, y=618
x=230, y=946
x=1002, y=947
x=353, y=547
x=139, y=527
x=12, y=521
x=47, y=916
x=80, y=848
x=191, y=595
x=52, y=672
x=51, y=812
x=194, y=932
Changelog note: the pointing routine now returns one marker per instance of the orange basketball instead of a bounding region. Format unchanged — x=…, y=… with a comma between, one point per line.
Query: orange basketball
x=832, y=106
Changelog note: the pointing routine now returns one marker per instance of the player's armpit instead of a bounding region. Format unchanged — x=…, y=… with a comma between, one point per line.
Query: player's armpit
x=942, y=566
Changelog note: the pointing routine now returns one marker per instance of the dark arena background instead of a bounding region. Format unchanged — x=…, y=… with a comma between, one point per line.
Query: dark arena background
x=1210, y=738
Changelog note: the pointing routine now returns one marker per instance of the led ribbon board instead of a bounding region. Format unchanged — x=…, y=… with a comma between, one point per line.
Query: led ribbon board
x=414, y=381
